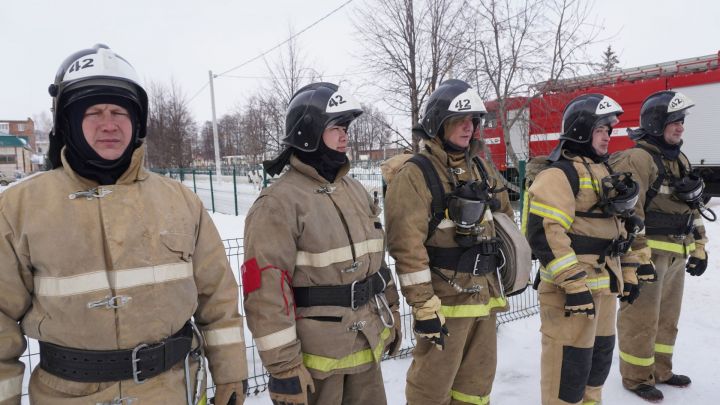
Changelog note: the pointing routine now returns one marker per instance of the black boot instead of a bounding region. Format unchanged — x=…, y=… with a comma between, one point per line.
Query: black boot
x=648, y=393
x=678, y=380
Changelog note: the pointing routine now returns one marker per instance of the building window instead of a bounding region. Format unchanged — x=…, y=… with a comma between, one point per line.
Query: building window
x=8, y=159
x=5, y=127
x=21, y=127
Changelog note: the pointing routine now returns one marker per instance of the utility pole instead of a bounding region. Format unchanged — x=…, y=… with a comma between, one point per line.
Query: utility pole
x=216, y=142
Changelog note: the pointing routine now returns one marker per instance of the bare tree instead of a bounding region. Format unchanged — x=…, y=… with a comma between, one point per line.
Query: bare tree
x=288, y=73
x=369, y=131
x=516, y=44
x=411, y=46
x=170, y=127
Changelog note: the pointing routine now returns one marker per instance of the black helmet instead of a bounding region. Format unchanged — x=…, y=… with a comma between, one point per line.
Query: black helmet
x=97, y=71
x=314, y=108
x=452, y=98
x=662, y=108
x=582, y=115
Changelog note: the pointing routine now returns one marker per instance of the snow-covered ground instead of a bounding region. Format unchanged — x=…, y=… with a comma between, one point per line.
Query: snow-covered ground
x=518, y=374
x=518, y=371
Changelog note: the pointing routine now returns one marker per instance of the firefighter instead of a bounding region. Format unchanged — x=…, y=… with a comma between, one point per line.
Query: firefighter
x=578, y=212
x=674, y=241
x=320, y=302
x=447, y=257
x=107, y=265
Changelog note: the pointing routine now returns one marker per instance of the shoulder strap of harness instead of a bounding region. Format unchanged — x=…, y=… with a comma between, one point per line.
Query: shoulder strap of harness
x=432, y=180
x=662, y=173
x=570, y=172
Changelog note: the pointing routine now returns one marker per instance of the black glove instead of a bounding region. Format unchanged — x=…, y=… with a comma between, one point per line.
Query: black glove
x=432, y=329
x=696, y=266
x=580, y=303
x=646, y=273
x=630, y=293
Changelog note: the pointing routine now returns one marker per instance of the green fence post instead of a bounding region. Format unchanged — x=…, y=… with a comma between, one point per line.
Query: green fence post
x=194, y=184
x=235, y=189
x=521, y=174
x=212, y=194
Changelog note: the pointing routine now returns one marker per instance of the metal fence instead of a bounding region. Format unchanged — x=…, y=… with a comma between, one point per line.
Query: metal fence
x=521, y=306
x=238, y=186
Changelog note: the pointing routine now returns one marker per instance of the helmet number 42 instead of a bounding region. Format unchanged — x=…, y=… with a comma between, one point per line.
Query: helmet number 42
x=336, y=101
x=462, y=105
x=86, y=63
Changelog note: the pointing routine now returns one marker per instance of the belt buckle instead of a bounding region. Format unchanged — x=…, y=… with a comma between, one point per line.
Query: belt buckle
x=476, y=271
x=352, y=296
x=135, y=361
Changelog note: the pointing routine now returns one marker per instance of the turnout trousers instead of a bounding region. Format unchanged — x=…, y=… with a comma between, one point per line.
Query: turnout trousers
x=350, y=389
x=463, y=373
x=647, y=329
x=576, y=351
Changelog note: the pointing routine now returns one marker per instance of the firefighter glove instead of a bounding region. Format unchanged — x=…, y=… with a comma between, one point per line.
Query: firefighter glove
x=697, y=263
x=230, y=393
x=646, y=273
x=394, y=346
x=291, y=387
x=578, y=299
x=630, y=293
x=430, y=323
x=631, y=287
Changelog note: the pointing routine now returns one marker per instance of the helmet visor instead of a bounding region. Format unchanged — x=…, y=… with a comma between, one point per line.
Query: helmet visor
x=609, y=121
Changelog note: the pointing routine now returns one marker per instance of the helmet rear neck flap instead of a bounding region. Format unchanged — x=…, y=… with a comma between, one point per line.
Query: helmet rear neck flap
x=312, y=109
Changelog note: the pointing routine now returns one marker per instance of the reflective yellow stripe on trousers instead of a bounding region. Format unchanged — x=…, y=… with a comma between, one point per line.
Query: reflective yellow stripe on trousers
x=470, y=399
x=473, y=310
x=637, y=361
x=671, y=247
x=326, y=364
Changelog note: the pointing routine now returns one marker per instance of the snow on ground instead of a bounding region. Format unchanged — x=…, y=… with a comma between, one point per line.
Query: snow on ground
x=518, y=372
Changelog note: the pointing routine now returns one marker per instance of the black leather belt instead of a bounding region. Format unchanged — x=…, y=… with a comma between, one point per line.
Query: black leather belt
x=478, y=259
x=660, y=223
x=142, y=362
x=352, y=295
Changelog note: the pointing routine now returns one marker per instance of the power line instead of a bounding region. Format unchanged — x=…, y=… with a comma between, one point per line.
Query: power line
x=270, y=50
x=197, y=93
x=287, y=40
x=303, y=77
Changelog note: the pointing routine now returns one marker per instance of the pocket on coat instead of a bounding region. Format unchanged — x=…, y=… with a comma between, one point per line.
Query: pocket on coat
x=67, y=387
x=180, y=243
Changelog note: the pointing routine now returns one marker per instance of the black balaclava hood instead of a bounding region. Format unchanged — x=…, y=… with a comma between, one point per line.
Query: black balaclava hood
x=81, y=157
x=326, y=161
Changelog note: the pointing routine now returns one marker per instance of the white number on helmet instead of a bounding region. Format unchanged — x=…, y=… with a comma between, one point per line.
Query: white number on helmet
x=102, y=63
x=679, y=102
x=608, y=106
x=468, y=101
x=341, y=101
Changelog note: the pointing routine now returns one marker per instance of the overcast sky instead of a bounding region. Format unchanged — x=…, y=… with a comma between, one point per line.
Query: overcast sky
x=183, y=39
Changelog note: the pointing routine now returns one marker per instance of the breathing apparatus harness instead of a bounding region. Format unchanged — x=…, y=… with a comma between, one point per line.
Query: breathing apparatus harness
x=617, y=195
x=465, y=205
x=688, y=188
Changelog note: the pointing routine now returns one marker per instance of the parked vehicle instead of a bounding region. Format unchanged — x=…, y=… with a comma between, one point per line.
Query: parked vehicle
x=536, y=120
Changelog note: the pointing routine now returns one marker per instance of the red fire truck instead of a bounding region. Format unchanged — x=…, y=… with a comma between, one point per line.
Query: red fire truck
x=537, y=120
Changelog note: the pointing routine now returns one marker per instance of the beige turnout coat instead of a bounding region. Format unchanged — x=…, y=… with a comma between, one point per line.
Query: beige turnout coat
x=304, y=232
x=147, y=245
